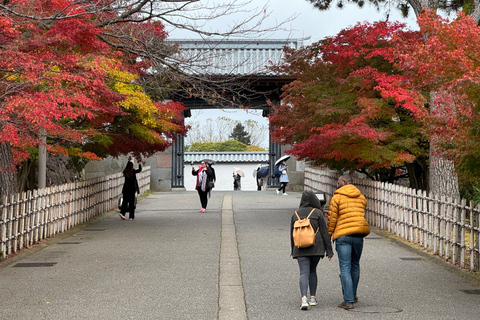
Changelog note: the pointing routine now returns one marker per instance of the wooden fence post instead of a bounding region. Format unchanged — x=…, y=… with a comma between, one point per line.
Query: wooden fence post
x=472, y=238
x=3, y=227
x=462, y=232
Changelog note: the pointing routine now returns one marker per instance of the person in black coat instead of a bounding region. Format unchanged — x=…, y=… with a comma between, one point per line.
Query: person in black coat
x=308, y=258
x=205, y=175
x=128, y=191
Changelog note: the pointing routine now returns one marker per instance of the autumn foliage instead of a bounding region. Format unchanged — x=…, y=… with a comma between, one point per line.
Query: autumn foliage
x=361, y=99
x=334, y=113
x=63, y=72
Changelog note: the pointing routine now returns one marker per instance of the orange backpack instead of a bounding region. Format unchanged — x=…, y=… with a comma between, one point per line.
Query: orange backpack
x=303, y=233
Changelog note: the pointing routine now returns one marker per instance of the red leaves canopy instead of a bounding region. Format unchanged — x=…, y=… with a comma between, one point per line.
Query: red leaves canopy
x=362, y=97
x=55, y=62
x=339, y=111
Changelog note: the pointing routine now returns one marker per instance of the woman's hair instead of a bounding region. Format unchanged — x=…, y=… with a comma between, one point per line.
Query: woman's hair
x=128, y=172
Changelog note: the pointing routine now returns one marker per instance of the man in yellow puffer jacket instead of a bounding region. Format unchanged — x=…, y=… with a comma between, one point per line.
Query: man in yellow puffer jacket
x=347, y=227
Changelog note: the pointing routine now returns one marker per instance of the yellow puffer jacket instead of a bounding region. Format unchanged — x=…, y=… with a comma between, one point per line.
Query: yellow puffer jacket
x=346, y=214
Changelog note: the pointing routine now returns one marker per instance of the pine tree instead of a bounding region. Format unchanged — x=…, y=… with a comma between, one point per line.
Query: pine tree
x=239, y=134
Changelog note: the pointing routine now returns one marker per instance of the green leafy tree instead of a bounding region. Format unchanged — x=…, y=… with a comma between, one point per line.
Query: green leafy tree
x=239, y=134
x=229, y=145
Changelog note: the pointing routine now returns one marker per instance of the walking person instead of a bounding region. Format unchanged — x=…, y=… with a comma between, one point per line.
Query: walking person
x=283, y=168
x=205, y=177
x=130, y=186
x=309, y=257
x=237, y=184
x=347, y=227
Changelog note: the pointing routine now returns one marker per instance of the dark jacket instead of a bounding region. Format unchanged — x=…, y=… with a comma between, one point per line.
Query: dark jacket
x=131, y=184
x=210, y=176
x=322, y=240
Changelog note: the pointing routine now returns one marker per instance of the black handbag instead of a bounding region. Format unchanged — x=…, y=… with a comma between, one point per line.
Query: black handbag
x=210, y=184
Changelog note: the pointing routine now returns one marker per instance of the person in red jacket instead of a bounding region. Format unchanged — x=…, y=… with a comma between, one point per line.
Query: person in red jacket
x=347, y=227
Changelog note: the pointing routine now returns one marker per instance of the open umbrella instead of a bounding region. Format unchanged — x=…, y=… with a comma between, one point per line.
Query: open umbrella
x=208, y=161
x=263, y=172
x=239, y=171
x=282, y=158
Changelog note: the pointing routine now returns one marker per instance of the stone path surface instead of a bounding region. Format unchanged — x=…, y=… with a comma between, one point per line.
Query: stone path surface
x=232, y=262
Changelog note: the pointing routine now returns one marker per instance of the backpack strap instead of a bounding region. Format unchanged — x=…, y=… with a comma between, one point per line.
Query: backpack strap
x=308, y=214
x=309, y=217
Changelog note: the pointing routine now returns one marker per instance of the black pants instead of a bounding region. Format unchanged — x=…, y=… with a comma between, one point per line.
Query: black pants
x=282, y=187
x=128, y=204
x=203, y=198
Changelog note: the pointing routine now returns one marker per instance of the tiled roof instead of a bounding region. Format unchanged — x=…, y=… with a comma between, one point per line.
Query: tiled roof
x=233, y=57
x=227, y=157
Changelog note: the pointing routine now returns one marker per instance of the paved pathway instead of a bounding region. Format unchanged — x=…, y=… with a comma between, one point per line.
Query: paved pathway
x=230, y=263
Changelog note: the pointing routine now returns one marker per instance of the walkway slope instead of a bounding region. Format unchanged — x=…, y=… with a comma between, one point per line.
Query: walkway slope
x=230, y=263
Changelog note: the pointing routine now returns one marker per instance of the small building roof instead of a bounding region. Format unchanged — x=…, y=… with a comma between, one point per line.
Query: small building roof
x=227, y=157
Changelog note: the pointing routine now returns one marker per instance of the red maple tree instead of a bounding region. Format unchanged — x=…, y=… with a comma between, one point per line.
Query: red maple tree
x=339, y=111
x=59, y=62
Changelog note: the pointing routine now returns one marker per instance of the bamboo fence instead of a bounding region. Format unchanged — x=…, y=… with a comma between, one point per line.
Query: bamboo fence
x=447, y=227
x=29, y=217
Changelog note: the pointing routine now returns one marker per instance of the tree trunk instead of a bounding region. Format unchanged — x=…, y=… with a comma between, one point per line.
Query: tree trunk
x=443, y=178
x=8, y=177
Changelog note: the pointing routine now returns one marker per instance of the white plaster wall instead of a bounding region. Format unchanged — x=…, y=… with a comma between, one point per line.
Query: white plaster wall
x=224, y=173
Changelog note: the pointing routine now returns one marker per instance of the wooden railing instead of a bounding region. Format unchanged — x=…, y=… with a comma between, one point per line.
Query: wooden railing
x=29, y=217
x=445, y=226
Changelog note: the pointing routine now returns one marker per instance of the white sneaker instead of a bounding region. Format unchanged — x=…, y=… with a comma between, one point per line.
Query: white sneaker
x=285, y=194
x=278, y=192
x=304, y=305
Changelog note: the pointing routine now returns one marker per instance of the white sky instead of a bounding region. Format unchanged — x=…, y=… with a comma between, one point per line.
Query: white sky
x=310, y=22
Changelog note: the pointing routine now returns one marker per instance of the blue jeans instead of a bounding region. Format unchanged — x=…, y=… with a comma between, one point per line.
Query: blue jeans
x=349, y=250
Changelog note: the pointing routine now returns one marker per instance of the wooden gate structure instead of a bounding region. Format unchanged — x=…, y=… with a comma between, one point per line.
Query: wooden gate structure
x=244, y=62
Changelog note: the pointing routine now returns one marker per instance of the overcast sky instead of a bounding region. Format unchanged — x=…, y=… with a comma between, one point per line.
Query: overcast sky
x=309, y=22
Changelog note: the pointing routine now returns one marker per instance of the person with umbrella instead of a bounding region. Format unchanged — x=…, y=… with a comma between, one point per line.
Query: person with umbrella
x=260, y=174
x=205, y=181
x=237, y=176
x=283, y=168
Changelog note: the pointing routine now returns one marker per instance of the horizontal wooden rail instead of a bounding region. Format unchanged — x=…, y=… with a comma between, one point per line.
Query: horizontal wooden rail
x=445, y=226
x=29, y=217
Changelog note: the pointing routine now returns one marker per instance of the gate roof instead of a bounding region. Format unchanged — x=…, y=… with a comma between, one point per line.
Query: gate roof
x=233, y=57
x=227, y=157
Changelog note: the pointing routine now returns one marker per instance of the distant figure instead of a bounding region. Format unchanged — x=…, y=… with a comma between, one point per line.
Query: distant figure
x=283, y=178
x=205, y=174
x=237, y=183
x=260, y=174
x=130, y=186
x=259, y=180
x=347, y=227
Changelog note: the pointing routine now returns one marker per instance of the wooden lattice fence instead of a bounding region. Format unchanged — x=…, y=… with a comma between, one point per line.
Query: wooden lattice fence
x=445, y=226
x=29, y=217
